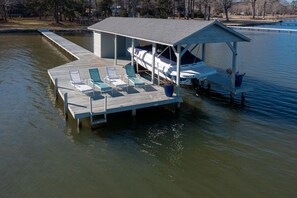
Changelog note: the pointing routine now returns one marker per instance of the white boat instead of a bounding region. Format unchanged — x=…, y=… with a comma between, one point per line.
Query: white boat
x=192, y=68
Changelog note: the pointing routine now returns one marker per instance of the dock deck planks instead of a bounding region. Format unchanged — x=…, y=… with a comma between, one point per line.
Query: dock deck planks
x=79, y=103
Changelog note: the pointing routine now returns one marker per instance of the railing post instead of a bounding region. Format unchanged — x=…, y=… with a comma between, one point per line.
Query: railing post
x=66, y=105
x=56, y=88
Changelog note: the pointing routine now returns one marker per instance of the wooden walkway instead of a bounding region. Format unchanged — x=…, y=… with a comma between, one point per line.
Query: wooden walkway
x=118, y=101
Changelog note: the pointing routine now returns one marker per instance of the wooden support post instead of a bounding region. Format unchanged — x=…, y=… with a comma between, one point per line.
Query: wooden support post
x=132, y=54
x=234, y=70
x=134, y=112
x=178, y=58
x=203, y=52
x=66, y=105
x=105, y=108
x=158, y=76
x=115, y=50
x=242, y=97
x=91, y=110
x=79, y=123
x=232, y=97
x=56, y=88
x=208, y=86
x=153, y=61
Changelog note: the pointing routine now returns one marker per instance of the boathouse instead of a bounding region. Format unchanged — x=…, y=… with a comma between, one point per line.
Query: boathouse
x=114, y=35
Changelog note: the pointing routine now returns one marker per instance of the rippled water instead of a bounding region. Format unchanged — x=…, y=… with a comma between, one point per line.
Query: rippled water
x=213, y=149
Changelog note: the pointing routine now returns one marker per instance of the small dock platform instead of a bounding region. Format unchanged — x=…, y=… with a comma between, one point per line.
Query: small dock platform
x=79, y=104
x=264, y=29
x=225, y=83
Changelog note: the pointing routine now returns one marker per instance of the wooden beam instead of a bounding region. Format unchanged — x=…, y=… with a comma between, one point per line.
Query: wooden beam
x=173, y=48
x=184, y=51
x=234, y=51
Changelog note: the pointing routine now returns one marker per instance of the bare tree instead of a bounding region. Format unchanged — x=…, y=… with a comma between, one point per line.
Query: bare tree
x=253, y=3
x=227, y=4
x=4, y=8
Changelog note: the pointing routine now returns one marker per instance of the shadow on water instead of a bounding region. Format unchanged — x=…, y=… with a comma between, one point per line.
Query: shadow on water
x=267, y=101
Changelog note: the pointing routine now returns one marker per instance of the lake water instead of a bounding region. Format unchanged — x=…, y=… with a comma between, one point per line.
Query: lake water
x=285, y=24
x=212, y=149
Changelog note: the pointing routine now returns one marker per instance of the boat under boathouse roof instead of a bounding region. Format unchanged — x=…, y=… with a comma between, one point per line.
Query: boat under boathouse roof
x=112, y=37
x=169, y=31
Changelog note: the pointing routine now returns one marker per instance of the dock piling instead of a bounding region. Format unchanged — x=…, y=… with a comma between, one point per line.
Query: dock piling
x=66, y=105
x=134, y=112
x=56, y=88
x=105, y=108
x=79, y=123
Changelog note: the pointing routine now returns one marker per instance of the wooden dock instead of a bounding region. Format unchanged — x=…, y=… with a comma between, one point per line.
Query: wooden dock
x=225, y=83
x=264, y=29
x=78, y=104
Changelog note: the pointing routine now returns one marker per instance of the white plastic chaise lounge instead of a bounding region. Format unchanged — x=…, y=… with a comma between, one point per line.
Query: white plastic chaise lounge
x=132, y=78
x=96, y=81
x=113, y=78
x=78, y=83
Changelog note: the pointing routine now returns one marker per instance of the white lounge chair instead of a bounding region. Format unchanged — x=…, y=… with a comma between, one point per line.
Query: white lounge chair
x=114, y=79
x=78, y=83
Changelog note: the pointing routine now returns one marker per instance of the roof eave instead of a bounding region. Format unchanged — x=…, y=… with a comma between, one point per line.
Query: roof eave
x=244, y=38
x=132, y=37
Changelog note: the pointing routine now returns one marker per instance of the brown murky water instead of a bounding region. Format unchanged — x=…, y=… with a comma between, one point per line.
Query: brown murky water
x=211, y=150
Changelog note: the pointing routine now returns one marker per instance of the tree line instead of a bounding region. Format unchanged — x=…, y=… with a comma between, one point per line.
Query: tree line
x=87, y=10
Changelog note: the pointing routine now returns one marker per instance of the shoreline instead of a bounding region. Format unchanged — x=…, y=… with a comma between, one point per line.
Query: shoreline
x=30, y=25
x=36, y=30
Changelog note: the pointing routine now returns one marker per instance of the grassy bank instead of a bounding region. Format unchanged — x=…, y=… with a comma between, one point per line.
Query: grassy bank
x=34, y=23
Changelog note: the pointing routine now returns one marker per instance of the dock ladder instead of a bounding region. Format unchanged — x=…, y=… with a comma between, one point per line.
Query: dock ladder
x=103, y=120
